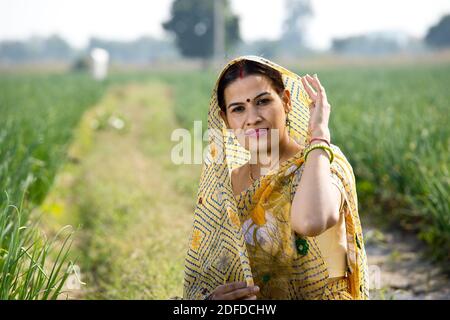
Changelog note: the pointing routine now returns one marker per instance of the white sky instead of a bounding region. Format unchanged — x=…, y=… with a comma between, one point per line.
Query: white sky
x=77, y=20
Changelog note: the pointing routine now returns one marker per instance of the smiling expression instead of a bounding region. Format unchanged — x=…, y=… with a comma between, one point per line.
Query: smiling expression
x=255, y=112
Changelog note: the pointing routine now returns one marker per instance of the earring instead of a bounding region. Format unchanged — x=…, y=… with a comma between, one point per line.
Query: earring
x=288, y=123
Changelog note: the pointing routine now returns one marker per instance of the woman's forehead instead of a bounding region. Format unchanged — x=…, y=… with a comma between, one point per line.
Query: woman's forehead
x=247, y=87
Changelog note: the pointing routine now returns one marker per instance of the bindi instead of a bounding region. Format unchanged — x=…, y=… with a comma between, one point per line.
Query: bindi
x=248, y=100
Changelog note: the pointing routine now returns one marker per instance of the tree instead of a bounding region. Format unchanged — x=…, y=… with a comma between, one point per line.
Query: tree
x=192, y=22
x=57, y=48
x=439, y=35
x=141, y=50
x=14, y=51
x=374, y=43
x=36, y=49
x=294, y=27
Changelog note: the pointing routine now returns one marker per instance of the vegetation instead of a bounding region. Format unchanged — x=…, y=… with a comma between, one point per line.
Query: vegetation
x=392, y=124
x=38, y=114
x=439, y=35
x=192, y=22
x=134, y=206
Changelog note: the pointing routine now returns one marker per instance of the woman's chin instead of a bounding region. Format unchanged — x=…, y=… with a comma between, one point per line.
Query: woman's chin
x=260, y=146
x=261, y=149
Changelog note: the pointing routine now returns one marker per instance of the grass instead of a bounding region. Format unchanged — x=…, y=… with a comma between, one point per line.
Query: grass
x=392, y=124
x=25, y=259
x=38, y=114
x=133, y=204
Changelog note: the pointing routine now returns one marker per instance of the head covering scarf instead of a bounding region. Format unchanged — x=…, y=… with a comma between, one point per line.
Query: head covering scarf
x=218, y=252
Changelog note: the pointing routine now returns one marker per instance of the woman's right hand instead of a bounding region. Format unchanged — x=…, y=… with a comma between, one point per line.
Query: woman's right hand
x=234, y=291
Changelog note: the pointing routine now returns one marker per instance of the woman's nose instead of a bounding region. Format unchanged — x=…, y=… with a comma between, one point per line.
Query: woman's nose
x=253, y=116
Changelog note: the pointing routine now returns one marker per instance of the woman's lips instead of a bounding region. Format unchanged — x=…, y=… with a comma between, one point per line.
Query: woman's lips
x=255, y=133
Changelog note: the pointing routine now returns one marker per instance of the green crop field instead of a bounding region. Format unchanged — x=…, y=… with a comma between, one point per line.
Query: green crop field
x=37, y=114
x=391, y=123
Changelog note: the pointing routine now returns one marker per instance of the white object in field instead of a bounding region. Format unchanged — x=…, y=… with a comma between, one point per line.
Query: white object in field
x=99, y=65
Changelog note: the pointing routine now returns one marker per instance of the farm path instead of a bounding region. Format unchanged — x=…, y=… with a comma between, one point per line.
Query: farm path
x=132, y=205
x=398, y=270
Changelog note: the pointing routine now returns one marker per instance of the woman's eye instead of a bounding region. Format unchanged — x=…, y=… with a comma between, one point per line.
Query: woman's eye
x=238, y=109
x=262, y=101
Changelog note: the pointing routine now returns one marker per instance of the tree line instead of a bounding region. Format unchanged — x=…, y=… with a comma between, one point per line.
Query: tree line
x=192, y=33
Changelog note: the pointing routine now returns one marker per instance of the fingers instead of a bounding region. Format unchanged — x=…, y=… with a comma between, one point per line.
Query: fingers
x=322, y=89
x=315, y=82
x=235, y=291
x=308, y=89
x=241, y=293
x=229, y=287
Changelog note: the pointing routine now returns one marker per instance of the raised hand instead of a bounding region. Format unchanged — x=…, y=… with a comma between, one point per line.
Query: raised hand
x=319, y=109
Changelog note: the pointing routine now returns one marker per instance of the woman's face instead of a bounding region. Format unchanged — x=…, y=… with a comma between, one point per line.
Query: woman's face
x=255, y=112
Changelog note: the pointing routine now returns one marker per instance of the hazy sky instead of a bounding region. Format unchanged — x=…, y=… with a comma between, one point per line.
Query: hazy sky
x=77, y=20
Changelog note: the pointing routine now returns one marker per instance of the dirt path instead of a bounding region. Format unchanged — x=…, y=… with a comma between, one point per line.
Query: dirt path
x=134, y=206
x=134, y=209
x=398, y=268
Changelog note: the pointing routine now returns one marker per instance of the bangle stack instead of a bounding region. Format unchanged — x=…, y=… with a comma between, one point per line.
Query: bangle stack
x=321, y=145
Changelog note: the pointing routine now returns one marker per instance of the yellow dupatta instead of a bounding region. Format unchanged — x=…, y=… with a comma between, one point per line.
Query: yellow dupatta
x=289, y=266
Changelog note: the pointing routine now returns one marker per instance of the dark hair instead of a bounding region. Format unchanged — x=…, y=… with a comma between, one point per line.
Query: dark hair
x=244, y=68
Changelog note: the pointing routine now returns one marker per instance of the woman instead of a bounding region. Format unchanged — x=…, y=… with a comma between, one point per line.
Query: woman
x=277, y=214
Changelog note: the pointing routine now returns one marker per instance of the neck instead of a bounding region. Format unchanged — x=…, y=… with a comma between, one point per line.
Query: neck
x=286, y=148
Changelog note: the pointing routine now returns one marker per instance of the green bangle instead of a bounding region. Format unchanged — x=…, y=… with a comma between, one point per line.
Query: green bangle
x=320, y=146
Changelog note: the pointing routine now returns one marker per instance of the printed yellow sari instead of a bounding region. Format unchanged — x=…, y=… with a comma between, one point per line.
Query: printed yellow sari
x=249, y=237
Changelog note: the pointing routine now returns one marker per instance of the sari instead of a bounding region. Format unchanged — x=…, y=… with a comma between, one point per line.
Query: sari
x=249, y=237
